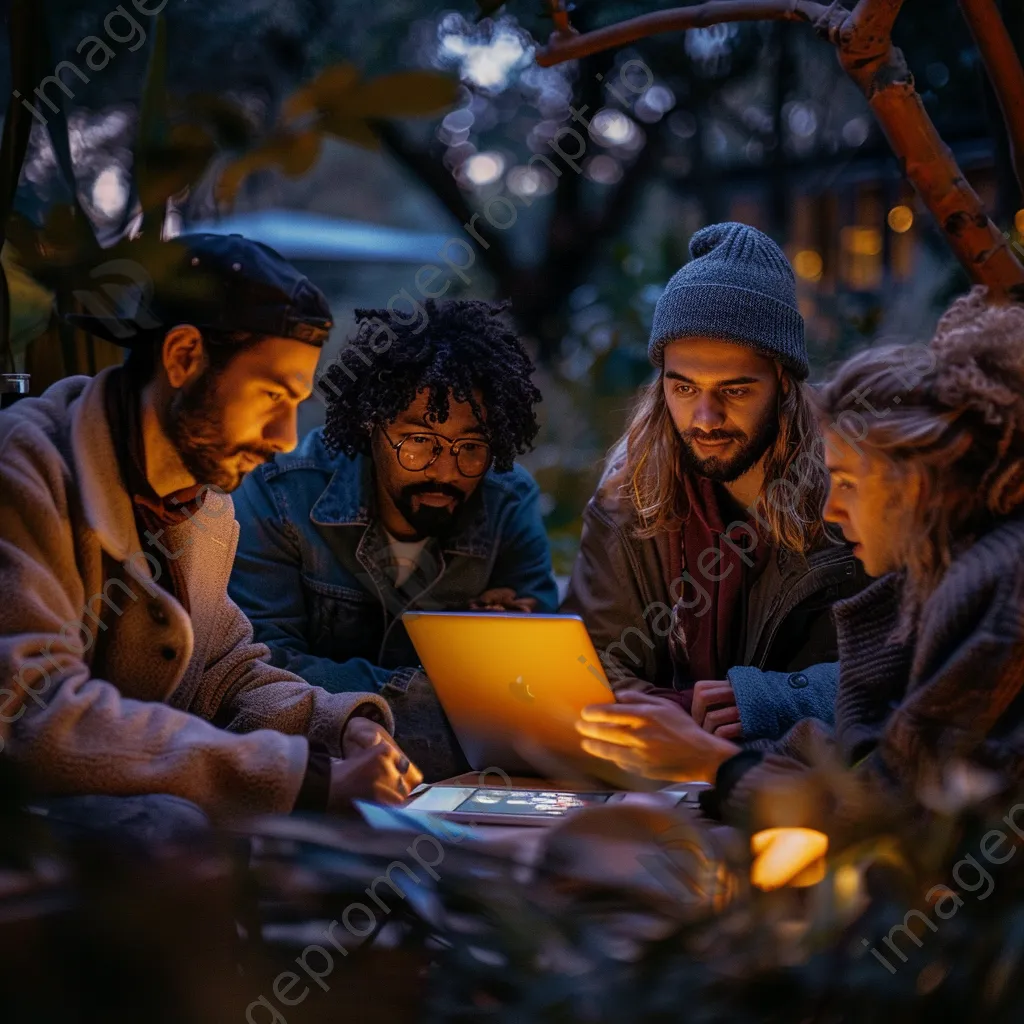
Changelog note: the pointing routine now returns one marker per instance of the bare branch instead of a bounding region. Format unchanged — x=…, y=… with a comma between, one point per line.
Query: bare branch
x=563, y=46
x=879, y=69
x=870, y=24
x=559, y=15
x=863, y=39
x=1004, y=70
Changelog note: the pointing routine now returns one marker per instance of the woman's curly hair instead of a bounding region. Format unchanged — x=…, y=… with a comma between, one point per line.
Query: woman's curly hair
x=951, y=414
x=457, y=348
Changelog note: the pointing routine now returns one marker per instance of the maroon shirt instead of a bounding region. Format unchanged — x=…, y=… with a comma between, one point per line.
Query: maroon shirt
x=710, y=578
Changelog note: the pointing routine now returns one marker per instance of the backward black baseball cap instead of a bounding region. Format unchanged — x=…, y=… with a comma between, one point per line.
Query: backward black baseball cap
x=213, y=282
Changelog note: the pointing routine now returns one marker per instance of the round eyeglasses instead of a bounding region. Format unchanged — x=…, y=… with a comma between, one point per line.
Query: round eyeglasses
x=416, y=452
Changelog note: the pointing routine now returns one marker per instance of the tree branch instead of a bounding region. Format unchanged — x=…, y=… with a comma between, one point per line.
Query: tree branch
x=863, y=38
x=880, y=71
x=870, y=24
x=1004, y=70
x=563, y=46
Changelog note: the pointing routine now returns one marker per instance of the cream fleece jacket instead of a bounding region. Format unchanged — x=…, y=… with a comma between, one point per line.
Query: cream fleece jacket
x=107, y=684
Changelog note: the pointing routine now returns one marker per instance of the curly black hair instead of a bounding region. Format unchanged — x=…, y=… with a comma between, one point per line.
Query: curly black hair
x=460, y=346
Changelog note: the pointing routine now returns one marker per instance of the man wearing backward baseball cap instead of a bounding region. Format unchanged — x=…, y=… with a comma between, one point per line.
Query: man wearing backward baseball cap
x=132, y=696
x=706, y=572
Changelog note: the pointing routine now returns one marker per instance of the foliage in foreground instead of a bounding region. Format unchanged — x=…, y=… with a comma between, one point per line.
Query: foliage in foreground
x=629, y=917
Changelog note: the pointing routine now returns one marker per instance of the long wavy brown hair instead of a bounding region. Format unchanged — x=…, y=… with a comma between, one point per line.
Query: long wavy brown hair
x=951, y=415
x=644, y=467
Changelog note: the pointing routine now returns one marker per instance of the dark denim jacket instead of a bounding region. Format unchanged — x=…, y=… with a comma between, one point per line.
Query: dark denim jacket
x=310, y=575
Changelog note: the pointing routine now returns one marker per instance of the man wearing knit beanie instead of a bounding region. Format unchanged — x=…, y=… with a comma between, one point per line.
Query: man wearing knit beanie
x=706, y=572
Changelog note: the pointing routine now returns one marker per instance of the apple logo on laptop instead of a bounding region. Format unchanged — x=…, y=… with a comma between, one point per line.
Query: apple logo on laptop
x=521, y=690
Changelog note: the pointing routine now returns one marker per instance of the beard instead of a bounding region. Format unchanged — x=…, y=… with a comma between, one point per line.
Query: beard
x=427, y=520
x=194, y=423
x=750, y=450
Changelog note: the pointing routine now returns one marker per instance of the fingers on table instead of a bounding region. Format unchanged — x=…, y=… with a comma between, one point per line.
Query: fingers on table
x=721, y=718
x=705, y=696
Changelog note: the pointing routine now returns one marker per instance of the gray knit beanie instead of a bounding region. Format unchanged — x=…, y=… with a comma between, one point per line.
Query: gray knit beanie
x=738, y=286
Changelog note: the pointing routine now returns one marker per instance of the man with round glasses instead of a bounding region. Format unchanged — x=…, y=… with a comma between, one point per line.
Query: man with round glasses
x=407, y=498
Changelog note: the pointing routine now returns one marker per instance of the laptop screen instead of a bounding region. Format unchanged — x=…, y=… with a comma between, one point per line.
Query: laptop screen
x=536, y=802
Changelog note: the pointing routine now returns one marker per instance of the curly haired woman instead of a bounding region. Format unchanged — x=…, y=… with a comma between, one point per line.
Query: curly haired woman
x=925, y=450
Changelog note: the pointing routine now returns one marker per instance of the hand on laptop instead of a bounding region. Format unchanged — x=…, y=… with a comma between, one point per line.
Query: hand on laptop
x=374, y=767
x=503, y=599
x=372, y=775
x=653, y=737
x=714, y=708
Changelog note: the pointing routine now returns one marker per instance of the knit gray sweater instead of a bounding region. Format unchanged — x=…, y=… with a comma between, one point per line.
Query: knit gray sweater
x=906, y=710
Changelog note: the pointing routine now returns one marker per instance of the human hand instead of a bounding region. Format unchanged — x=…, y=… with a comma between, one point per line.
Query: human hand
x=653, y=737
x=363, y=734
x=380, y=773
x=723, y=718
x=503, y=599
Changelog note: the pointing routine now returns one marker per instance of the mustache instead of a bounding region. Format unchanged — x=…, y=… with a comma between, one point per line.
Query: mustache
x=266, y=454
x=448, y=490
x=714, y=435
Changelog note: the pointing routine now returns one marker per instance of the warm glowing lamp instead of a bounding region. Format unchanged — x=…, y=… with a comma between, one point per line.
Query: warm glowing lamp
x=1018, y=222
x=787, y=844
x=787, y=856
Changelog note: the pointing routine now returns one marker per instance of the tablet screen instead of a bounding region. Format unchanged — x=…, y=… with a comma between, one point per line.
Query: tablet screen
x=537, y=802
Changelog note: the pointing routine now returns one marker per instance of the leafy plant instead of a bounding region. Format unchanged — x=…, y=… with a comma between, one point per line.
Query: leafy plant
x=339, y=104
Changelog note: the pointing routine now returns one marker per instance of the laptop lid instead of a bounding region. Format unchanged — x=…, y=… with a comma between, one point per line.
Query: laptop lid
x=512, y=685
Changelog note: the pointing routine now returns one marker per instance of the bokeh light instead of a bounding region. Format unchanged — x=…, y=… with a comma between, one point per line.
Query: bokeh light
x=901, y=219
x=612, y=127
x=808, y=264
x=109, y=192
x=605, y=170
x=861, y=241
x=483, y=168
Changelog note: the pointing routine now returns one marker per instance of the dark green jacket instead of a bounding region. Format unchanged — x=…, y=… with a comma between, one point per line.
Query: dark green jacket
x=787, y=670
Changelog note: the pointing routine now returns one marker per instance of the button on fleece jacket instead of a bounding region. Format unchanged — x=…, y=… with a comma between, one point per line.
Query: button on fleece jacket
x=107, y=685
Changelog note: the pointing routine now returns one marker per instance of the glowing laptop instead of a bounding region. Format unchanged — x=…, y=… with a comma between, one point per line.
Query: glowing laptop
x=512, y=685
